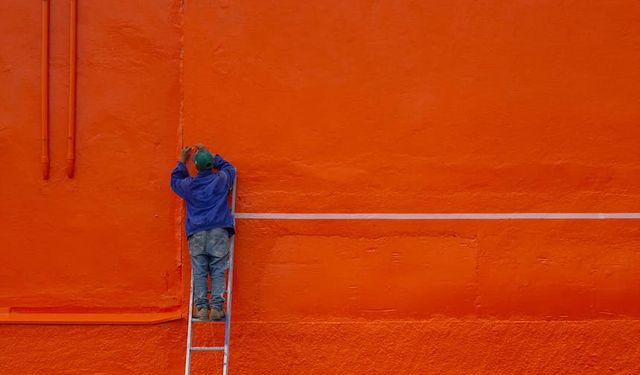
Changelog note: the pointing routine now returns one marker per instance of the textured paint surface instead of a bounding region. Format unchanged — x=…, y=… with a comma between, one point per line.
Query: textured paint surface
x=393, y=347
x=360, y=106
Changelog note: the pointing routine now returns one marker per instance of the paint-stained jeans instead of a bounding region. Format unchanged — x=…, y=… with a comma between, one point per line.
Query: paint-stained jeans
x=209, y=251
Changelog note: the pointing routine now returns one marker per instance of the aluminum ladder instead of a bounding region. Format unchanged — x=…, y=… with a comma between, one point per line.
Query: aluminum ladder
x=227, y=321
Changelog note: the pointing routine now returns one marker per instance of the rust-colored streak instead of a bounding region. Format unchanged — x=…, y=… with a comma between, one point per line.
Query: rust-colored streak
x=45, y=90
x=71, y=130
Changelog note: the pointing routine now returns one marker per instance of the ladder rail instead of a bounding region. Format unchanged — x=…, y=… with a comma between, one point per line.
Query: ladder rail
x=227, y=323
x=187, y=360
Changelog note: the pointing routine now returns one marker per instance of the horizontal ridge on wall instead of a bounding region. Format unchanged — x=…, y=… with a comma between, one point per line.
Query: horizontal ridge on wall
x=86, y=318
x=440, y=216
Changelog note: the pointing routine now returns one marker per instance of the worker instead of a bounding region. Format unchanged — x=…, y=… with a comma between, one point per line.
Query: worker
x=209, y=224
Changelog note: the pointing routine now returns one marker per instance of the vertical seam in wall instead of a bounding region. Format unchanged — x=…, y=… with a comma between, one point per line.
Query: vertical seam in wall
x=180, y=209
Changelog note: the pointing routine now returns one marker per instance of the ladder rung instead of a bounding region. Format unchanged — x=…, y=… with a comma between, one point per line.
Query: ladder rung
x=206, y=348
x=196, y=320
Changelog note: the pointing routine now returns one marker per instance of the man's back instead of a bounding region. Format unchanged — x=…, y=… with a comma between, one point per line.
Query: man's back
x=206, y=195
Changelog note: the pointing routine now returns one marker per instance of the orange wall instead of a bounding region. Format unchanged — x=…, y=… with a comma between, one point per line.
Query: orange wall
x=105, y=239
x=425, y=107
x=421, y=106
x=331, y=107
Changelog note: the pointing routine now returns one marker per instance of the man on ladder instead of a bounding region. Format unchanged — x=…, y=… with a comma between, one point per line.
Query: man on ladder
x=209, y=225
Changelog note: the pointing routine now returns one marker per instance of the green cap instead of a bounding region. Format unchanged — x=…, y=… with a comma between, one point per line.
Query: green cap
x=203, y=160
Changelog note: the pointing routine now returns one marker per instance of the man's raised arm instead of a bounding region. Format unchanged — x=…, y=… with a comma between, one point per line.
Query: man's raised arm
x=225, y=167
x=179, y=175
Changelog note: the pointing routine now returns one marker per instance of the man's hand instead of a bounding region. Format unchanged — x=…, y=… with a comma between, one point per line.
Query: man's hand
x=185, y=154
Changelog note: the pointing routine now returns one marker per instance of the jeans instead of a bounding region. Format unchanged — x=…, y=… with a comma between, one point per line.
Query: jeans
x=209, y=251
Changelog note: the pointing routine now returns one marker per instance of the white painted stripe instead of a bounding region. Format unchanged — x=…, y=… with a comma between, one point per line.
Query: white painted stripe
x=434, y=216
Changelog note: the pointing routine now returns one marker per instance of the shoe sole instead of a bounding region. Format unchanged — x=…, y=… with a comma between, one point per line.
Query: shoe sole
x=218, y=319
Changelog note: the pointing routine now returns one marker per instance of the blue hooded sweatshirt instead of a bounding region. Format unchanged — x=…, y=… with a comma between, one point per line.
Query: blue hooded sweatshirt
x=206, y=195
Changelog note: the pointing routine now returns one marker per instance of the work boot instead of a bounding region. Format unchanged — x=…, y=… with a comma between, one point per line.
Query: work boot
x=202, y=313
x=216, y=314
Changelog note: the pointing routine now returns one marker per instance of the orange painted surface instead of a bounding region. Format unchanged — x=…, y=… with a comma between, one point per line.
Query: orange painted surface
x=105, y=241
x=327, y=107
x=432, y=106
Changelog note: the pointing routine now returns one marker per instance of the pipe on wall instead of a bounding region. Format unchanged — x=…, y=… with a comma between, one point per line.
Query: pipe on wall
x=71, y=128
x=45, y=90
